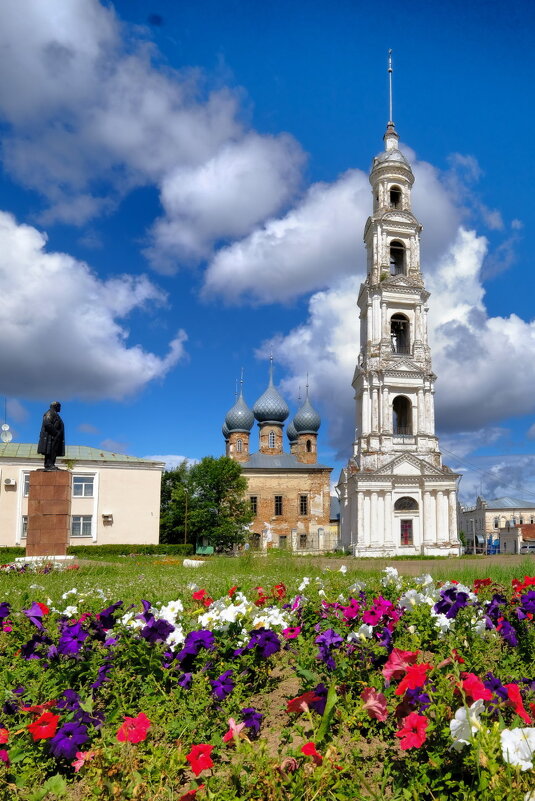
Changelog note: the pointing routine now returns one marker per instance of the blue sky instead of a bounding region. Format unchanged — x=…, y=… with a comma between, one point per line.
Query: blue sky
x=184, y=189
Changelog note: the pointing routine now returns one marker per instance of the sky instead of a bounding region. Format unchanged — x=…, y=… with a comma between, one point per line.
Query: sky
x=183, y=192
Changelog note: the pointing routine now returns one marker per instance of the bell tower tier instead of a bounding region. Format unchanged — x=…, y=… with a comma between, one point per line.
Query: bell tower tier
x=396, y=496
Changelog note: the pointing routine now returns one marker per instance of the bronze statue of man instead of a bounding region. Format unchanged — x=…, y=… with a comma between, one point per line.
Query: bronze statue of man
x=52, y=436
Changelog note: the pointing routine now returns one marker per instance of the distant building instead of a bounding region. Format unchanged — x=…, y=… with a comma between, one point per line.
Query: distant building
x=289, y=493
x=396, y=495
x=115, y=498
x=518, y=539
x=484, y=522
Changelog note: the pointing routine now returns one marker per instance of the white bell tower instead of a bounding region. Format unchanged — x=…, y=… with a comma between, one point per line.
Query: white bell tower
x=395, y=494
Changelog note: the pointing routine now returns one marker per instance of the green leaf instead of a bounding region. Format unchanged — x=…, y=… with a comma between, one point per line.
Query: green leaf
x=332, y=698
x=308, y=675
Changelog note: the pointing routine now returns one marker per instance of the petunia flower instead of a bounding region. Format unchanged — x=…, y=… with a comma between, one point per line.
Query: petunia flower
x=4, y=736
x=374, y=704
x=68, y=740
x=35, y=613
x=466, y=723
x=71, y=640
x=291, y=632
x=474, y=688
x=302, y=702
x=515, y=700
x=252, y=719
x=412, y=734
x=234, y=731
x=518, y=746
x=398, y=663
x=309, y=749
x=191, y=793
x=81, y=758
x=265, y=641
x=223, y=685
x=414, y=678
x=44, y=727
x=4, y=756
x=199, y=757
x=134, y=730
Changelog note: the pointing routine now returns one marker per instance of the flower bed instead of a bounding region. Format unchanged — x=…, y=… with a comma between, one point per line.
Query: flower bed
x=401, y=689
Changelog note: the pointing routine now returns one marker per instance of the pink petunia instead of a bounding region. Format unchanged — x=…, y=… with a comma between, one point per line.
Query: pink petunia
x=374, y=704
x=291, y=632
x=398, y=663
x=234, y=730
x=474, y=688
x=81, y=758
x=413, y=732
x=133, y=730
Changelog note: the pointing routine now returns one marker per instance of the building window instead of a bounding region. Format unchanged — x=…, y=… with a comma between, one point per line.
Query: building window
x=302, y=540
x=309, y=446
x=402, y=416
x=395, y=197
x=253, y=500
x=405, y=504
x=521, y=521
x=271, y=439
x=303, y=504
x=505, y=546
x=82, y=486
x=283, y=541
x=513, y=521
x=397, y=258
x=239, y=445
x=531, y=520
x=399, y=334
x=278, y=505
x=24, y=527
x=406, y=532
x=81, y=525
x=26, y=484
x=496, y=522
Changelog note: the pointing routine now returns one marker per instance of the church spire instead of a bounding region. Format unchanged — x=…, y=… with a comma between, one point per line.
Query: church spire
x=390, y=138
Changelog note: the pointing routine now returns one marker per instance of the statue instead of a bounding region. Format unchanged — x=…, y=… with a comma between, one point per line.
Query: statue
x=52, y=436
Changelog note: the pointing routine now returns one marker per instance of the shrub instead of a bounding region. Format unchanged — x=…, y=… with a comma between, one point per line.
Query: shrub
x=126, y=550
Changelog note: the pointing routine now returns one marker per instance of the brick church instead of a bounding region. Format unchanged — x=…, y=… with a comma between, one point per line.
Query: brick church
x=289, y=492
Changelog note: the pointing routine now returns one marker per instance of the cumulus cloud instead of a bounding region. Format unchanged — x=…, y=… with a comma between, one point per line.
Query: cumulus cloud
x=172, y=460
x=114, y=445
x=62, y=325
x=92, y=112
x=492, y=477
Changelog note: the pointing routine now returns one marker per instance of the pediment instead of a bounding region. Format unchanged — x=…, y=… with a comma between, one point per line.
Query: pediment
x=409, y=465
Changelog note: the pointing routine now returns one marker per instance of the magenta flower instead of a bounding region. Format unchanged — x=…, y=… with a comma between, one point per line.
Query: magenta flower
x=374, y=704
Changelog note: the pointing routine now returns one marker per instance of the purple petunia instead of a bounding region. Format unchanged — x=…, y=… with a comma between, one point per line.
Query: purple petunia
x=527, y=605
x=507, y=631
x=321, y=692
x=223, y=685
x=5, y=609
x=69, y=699
x=418, y=699
x=67, y=741
x=102, y=674
x=31, y=649
x=328, y=640
x=185, y=680
x=34, y=614
x=265, y=641
x=71, y=640
x=450, y=603
x=106, y=617
x=157, y=630
x=494, y=684
x=252, y=719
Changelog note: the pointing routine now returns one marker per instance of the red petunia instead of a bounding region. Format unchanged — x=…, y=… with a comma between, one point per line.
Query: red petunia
x=279, y=591
x=412, y=734
x=44, y=608
x=398, y=663
x=191, y=793
x=4, y=736
x=44, y=727
x=39, y=708
x=474, y=688
x=414, y=678
x=230, y=593
x=301, y=703
x=199, y=758
x=309, y=749
x=133, y=730
x=199, y=595
x=515, y=700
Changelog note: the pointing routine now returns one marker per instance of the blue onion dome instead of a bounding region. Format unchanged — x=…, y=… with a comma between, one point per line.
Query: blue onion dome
x=307, y=420
x=291, y=433
x=240, y=417
x=225, y=430
x=271, y=406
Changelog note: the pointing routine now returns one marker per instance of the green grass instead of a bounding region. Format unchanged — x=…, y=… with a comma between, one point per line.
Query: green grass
x=160, y=578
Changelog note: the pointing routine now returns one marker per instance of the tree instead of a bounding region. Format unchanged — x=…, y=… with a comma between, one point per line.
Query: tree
x=173, y=504
x=205, y=501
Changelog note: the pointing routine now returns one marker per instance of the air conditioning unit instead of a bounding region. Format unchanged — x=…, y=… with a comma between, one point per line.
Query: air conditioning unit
x=10, y=482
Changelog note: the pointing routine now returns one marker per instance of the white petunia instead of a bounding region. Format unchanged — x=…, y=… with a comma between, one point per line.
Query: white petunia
x=365, y=632
x=70, y=611
x=176, y=637
x=425, y=580
x=518, y=746
x=442, y=623
x=304, y=583
x=465, y=724
x=412, y=598
x=343, y=569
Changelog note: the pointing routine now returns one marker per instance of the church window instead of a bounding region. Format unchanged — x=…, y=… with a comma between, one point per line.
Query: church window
x=406, y=504
x=402, y=416
x=521, y=520
x=302, y=540
x=309, y=446
x=239, y=445
x=253, y=500
x=406, y=532
x=496, y=522
x=399, y=334
x=395, y=197
x=278, y=505
x=283, y=541
x=271, y=439
x=303, y=504
x=397, y=258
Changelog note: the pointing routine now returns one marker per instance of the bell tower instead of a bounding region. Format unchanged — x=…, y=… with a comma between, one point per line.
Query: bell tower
x=394, y=386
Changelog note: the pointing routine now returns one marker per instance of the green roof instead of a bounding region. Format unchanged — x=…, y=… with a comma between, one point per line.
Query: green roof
x=76, y=453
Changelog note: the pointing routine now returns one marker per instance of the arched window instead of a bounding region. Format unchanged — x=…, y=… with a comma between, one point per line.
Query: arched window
x=309, y=446
x=402, y=415
x=406, y=504
x=239, y=445
x=397, y=258
x=399, y=333
x=271, y=439
x=395, y=197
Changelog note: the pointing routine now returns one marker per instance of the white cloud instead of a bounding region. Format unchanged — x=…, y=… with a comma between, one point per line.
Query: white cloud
x=93, y=112
x=172, y=460
x=16, y=411
x=114, y=445
x=60, y=324
x=88, y=428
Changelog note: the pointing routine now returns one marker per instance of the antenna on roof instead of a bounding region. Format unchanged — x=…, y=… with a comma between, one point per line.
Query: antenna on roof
x=6, y=435
x=390, y=71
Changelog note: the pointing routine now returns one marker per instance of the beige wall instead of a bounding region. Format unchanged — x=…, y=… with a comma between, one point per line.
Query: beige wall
x=130, y=493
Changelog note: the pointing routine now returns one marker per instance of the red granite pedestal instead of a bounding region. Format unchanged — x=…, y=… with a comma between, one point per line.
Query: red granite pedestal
x=49, y=513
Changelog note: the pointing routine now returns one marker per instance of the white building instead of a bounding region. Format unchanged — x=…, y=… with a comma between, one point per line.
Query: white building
x=396, y=496
x=115, y=498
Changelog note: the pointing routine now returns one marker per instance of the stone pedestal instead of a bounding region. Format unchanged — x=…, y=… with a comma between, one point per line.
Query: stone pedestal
x=49, y=513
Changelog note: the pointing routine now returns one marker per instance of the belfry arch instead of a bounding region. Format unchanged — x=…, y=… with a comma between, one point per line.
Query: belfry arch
x=400, y=333
x=397, y=258
x=401, y=416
